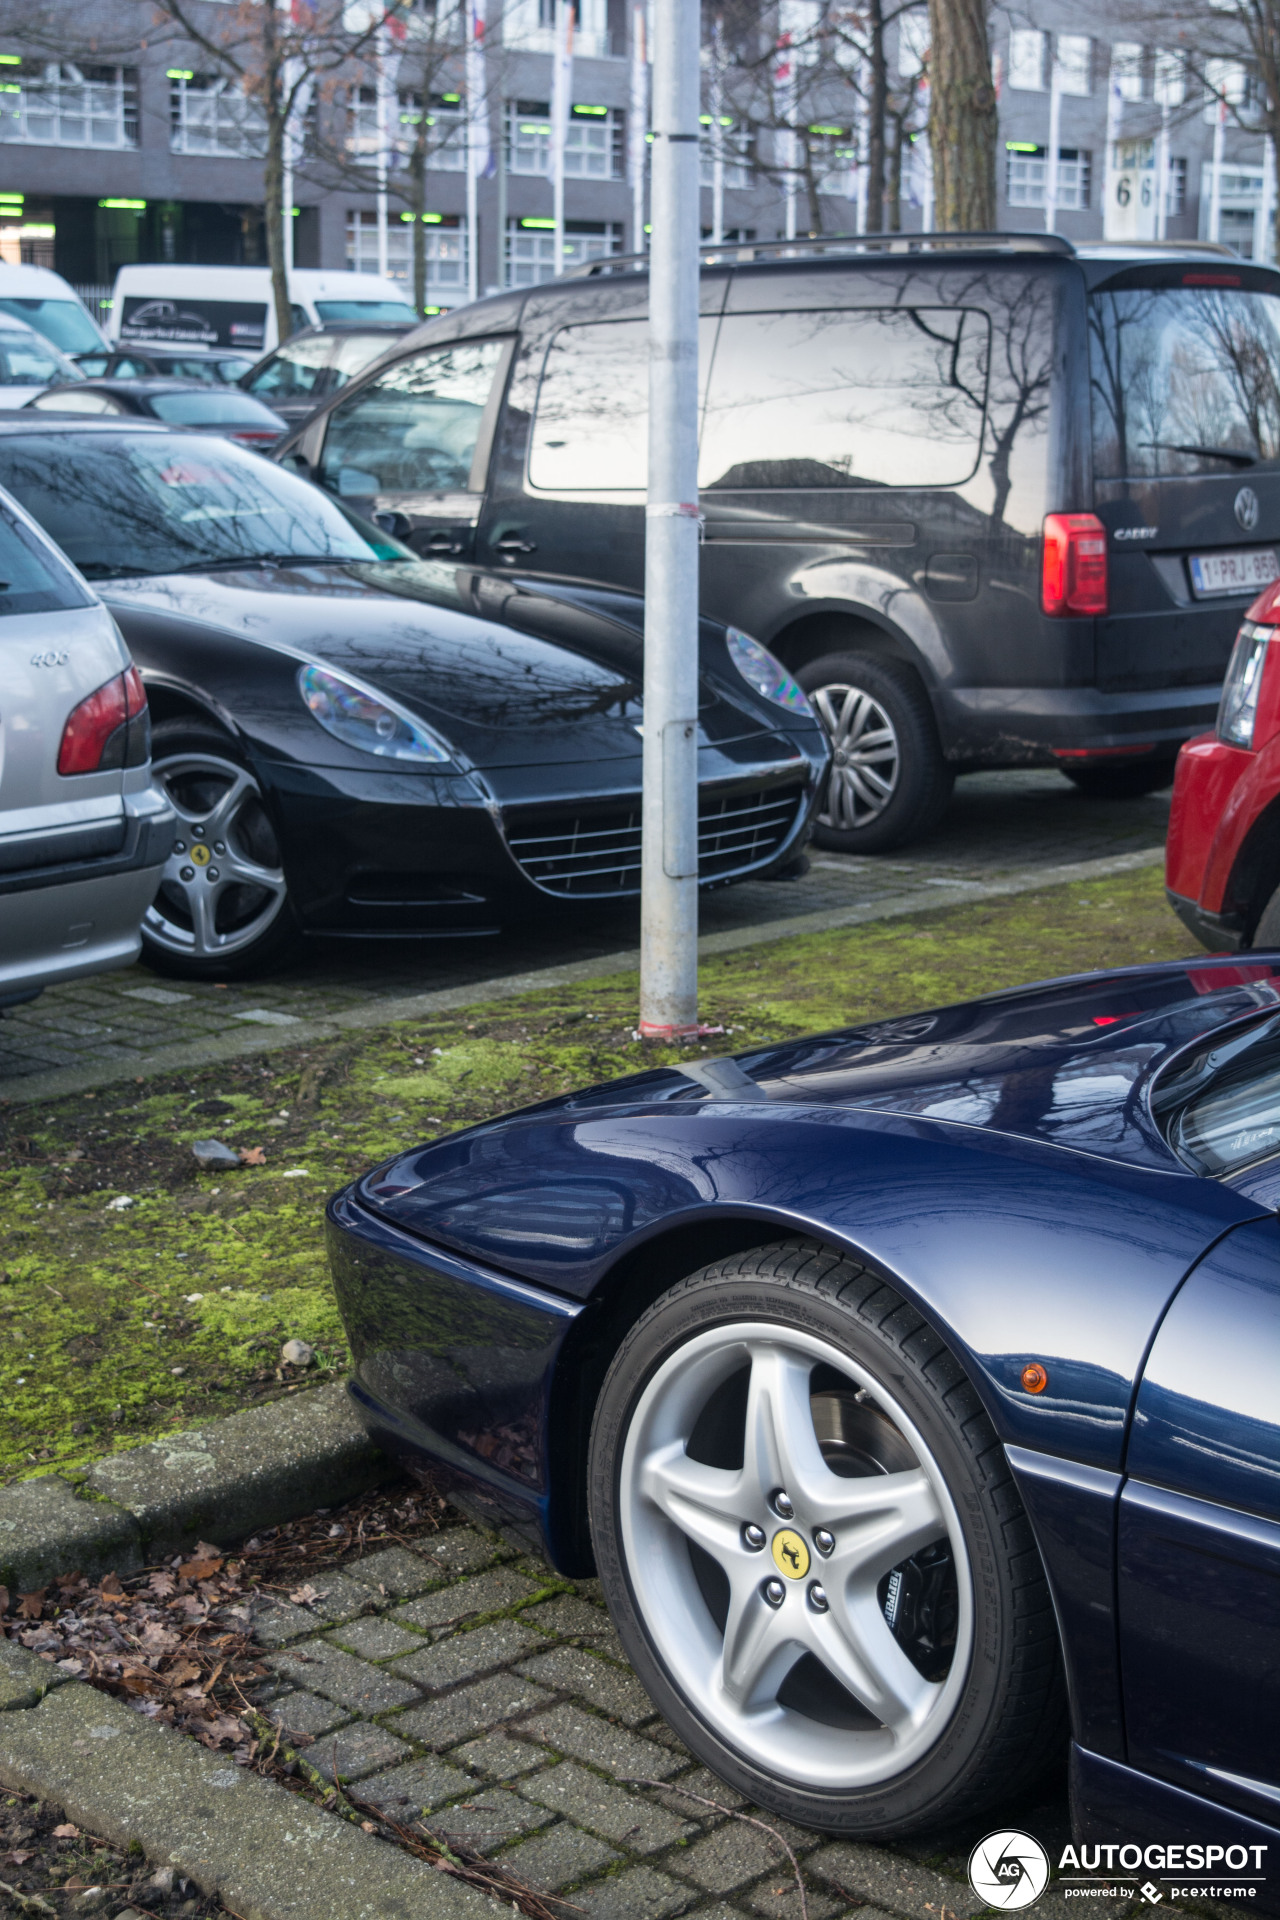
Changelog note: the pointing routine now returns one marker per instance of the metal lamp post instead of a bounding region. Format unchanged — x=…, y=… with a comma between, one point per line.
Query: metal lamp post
x=669, y=860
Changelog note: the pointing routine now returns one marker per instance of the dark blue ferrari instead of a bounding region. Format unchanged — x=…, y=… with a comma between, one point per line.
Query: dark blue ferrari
x=913, y=1389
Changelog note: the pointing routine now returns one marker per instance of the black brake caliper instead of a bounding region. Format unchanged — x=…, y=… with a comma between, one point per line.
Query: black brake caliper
x=920, y=1606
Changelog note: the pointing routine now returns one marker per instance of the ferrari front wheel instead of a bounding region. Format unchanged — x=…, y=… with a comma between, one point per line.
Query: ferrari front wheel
x=814, y=1553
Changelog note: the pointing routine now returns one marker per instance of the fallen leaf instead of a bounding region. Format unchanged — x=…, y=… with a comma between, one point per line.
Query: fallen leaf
x=366, y=1826
x=199, y=1569
x=4, y=1599
x=17, y=1858
x=303, y=1596
x=162, y=1584
x=252, y=1157
x=111, y=1584
x=66, y=1831
x=31, y=1605
x=205, y=1550
x=181, y=1674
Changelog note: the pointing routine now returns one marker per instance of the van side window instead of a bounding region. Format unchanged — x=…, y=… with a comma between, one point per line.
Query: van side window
x=891, y=397
x=414, y=428
x=591, y=424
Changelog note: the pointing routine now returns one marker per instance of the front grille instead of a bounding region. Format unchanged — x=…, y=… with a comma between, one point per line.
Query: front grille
x=597, y=850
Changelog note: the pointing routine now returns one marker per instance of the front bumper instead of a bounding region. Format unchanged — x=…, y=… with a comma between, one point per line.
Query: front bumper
x=1032, y=726
x=1219, y=932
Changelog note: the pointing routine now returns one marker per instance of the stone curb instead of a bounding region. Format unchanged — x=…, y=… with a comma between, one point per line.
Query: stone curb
x=219, y=1482
x=266, y=1852
x=928, y=898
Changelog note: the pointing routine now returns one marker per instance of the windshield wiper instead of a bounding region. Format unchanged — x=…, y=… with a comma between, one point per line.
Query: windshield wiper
x=217, y=561
x=1233, y=455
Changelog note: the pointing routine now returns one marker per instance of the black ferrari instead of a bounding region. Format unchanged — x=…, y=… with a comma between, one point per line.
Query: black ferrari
x=361, y=742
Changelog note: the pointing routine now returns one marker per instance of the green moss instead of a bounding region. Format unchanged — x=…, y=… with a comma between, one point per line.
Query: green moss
x=117, y=1323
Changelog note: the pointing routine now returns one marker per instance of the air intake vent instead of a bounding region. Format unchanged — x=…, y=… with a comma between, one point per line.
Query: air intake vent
x=598, y=851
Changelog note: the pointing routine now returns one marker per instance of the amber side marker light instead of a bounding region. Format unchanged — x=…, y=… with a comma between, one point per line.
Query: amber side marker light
x=1034, y=1377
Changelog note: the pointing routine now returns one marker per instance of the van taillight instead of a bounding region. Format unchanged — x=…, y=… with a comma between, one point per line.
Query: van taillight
x=110, y=728
x=1073, y=570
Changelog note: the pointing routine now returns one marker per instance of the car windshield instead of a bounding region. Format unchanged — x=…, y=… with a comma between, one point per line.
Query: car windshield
x=1220, y=1108
x=28, y=360
x=1184, y=380
x=395, y=310
x=33, y=579
x=147, y=503
x=213, y=407
x=65, y=322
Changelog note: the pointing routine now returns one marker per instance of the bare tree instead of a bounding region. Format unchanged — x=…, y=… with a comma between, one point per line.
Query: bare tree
x=962, y=120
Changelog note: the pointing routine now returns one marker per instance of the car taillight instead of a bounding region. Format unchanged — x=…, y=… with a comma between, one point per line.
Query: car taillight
x=1242, y=688
x=1073, y=570
x=110, y=728
x=254, y=436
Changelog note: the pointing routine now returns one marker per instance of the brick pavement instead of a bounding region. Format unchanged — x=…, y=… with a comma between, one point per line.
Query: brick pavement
x=999, y=825
x=466, y=1685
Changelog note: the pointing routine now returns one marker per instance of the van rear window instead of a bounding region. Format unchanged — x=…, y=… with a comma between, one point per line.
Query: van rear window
x=1184, y=380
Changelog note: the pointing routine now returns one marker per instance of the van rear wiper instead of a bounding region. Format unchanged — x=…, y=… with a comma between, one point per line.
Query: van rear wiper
x=1233, y=455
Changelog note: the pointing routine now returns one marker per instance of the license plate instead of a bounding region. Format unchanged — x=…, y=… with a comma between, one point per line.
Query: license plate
x=1243, y=570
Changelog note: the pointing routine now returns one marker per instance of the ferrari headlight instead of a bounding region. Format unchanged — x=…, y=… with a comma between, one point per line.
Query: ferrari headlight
x=1238, y=709
x=365, y=721
x=768, y=676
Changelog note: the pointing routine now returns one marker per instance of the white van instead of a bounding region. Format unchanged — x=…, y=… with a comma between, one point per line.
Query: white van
x=233, y=307
x=46, y=302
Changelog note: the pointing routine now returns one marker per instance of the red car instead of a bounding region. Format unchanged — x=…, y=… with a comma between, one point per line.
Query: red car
x=1222, y=862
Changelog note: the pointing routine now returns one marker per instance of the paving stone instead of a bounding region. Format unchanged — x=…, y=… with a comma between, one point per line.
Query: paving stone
x=399, y=1573
x=340, y=1676
x=638, y=1894
x=488, y=1820
x=448, y=1607
x=339, y=1597
x=592, y=1802
x=24, y=1677
x=703, y=1784
x=360, y=1749
x=886, y=1880
x=569, y=1618
x=375, y=1639
x=499, y=1757
x=470, y=1710
x=414, y=1788
x=585, y=1736
x=557, y=1858
x=465, y=1655
x=613, y=1690
x=460, y=1550
x=731, y=1857
x=307, y=1713
x=777, y=1898
x=277, y=1623
x=45, y=1531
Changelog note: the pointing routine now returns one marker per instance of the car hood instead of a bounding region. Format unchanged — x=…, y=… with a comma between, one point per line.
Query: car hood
x=1066, y=1062
x=502, y=690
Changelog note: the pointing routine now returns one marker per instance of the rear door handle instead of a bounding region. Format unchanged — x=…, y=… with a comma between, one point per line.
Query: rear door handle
x=445, y=543
x=514, y=543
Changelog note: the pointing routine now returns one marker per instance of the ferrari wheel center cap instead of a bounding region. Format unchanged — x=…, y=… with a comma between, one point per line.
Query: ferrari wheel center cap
x=790, y=1554
x=201, y=854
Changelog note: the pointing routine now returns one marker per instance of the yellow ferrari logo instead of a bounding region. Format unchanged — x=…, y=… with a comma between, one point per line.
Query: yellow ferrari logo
x=790, y=1554
x=201, y=854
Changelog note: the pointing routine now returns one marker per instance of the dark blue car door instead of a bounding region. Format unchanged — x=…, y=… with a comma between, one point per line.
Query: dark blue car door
x=1199, y=1546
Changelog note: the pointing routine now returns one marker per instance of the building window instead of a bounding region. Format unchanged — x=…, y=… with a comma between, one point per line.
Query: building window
x=446, y=235
x=1175, y=187
x=595, y=141
x=530, y=25
x=211, y=113
x=62, y=104
x=736, y=145
x=1126, y=68
x=1026, y=59
x=446, y=122
x=833, y=155
x=1170, y=89
x=531, y=247
x=1028, y=170
x=1225, y=80
x=1075, y=63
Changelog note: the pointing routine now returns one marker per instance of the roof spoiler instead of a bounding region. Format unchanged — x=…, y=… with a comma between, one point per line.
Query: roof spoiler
x=743, y=253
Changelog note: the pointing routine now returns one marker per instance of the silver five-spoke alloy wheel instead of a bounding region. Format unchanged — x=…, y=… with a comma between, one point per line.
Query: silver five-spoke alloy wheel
x=223, y=885
x=866, y=757
x=771, y=1590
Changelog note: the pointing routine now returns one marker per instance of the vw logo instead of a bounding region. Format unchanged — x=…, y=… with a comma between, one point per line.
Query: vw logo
x=1008, y=1870
x=1247, y=509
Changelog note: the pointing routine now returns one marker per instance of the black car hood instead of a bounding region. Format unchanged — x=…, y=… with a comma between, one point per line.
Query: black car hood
x=1068, y=1061
x=503, y=690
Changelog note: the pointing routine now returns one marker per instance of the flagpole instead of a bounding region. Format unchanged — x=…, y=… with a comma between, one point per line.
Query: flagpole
x=639, y=124
x=1215, y=195
x=1055, y=126
x=382, y=108
x=477, y=136
x=561, y=101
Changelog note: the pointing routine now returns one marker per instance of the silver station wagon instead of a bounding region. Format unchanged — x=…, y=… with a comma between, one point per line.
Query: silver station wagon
x=83, y=831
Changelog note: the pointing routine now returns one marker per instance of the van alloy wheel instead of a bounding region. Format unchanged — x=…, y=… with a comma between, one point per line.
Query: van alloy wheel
x=865, y=756
x=223, y=886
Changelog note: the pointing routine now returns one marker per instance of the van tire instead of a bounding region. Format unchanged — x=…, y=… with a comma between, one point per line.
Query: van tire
x=895, y=790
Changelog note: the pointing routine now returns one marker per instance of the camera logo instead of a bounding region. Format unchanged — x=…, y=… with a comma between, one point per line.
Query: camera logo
x=1008, y=1869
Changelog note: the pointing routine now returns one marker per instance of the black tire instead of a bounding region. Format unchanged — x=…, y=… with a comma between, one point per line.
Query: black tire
x=197, y=763
x=1128, y=780
x=854, y=816
x=1266, y=935
x=1005, y=1725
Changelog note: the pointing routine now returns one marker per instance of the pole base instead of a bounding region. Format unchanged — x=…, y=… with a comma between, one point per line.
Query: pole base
x=654, y=1030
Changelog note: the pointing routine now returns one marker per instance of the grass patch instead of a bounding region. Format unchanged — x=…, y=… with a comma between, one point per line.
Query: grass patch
x=137, y=1292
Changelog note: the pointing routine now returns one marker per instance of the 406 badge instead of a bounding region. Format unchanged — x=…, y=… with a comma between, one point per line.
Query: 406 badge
x=1008, y=1869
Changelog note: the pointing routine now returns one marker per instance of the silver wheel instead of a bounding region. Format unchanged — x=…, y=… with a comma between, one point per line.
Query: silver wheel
x=223, y=886
x=795, y=1556
x=865, y=756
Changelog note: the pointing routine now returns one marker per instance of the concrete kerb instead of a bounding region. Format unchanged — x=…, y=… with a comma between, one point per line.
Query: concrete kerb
x=219, y=1482
x=384, y=1012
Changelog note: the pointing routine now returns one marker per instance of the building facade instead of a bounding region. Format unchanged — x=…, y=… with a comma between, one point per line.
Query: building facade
x=141, y=153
